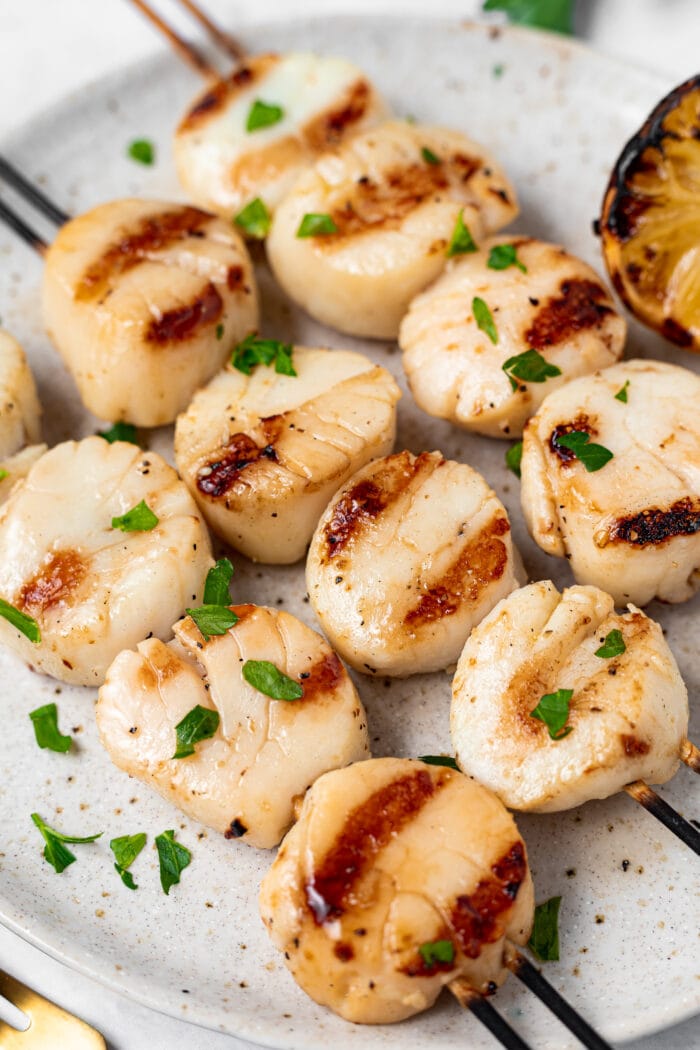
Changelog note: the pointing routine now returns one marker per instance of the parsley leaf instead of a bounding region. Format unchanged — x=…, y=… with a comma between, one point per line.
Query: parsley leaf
x=4, y=473
x=139, y=519
x=433, y=952
x=126, y=849
x=120, y=432
x=212, y=620
x=173, y=859
x=24, y=623
x=268, y=679
x=429, y=157
x=142, y=151
x=461, y=242
x=544, y=939
x=591, y=455
x=484, y=318
x=621, y=395
x=216, y=590
x=54, y=851
x=254, y=219
x=263, y=115
x=439, y=760
x=253, y=351
x=502, y=256
x=198, y=724
x=613, y=645
x=316, y=224
x=514, y=457
x=529, y=366
x=556, y=15
x=553, y=710
x=46, y=731
x=219, y=332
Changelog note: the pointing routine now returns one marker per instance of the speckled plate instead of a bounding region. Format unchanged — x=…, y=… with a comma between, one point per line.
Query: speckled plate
x=556, y=115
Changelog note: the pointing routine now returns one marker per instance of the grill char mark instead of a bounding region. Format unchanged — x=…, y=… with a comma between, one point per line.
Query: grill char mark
x=185, y=322
x=477, y=918
x=657, y=525
x=240, y=452
x=324, y=677
x=581, y=424
x=633, y=746
x=581, y=304
x=54, y=583
x=217, y=97
x=329, y=128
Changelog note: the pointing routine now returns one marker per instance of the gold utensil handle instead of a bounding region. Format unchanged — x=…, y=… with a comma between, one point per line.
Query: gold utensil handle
x=50, y=1026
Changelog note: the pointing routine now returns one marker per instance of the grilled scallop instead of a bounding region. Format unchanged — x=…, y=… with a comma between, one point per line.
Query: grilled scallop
x=94, y=589
x=143, y=300
x=245, y=780
x=263, y=454
x=410, y=555
x=20, y=411
x=388, y=859
x=544, y=300
x=18, y=466
x=312, y=103
x=633, y=525
x=392, y=197
x=628, y=713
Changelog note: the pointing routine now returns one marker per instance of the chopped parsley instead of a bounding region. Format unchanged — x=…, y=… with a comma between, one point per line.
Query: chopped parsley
x=484, y=318
x=198, y=724
x=219, y=332
x=216, y=590
x=514, y=457
x=253, y=351
x=553, y=710
x=621, y=395
x=429, y=157
x=544, y=939
x=263, y=115
x=439, y=760
x=268, y=679
x=254, y=219
x=529, y=366
x=54, y=850
x=45, y=722
x=613, y=645
x=556, y=15
x=3, y=473
x=461, y=242
x=142, y=151
x=24, y=623
x=212, y=620
x=497, y=71
x=316, y=224
x=433, y=952
x=591, y=455
x=502, y=256
x=139, y=519
x=120, y=432
x=173, y=859
x=126, y=849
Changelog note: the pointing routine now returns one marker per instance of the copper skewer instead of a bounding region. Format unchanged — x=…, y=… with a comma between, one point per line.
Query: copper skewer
x=183, y=47
x=225, y=41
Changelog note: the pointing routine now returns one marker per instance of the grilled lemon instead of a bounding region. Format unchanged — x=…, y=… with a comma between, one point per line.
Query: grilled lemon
x=651, y=219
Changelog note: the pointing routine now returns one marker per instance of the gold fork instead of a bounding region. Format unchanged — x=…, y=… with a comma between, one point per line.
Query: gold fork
x=50, y=1028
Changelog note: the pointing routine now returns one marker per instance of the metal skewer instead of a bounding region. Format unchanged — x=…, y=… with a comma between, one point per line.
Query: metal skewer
x=487, y=1014
x=668, y=816
x=184, y=48
x=227, y=42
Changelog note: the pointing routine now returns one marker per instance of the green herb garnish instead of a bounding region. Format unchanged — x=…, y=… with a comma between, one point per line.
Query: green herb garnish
x=429, y=157
x=45, y=722
x=263, y=115
x=502, y=256
x=556, y=15
x=4, y=473
x=316, y=224
x=591, y=455
x=253, y=351
x=198, y=724
x=529, y=366
x=484, y=318
x=553, y=710
x=139, y=519
x=621, y=395
x=439, y=760
x=126, y=849
x=24, y=623
x=461, y=242
x=212, y=620
x=433, y=952
x=255, y=219
x=497, y=71
x=219, y=332
x=120, y=432
x=268, y=679
x=173, y=859
x=514, y=457
x=54, y=851
x=613, y=645
x=544, y=939
x=142, y=151
x=216, y=590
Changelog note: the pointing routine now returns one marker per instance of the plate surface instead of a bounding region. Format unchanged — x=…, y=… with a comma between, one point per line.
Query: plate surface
x=556, y=116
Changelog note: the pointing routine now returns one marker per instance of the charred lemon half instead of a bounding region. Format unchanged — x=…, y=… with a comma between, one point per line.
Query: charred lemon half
x=650, y=223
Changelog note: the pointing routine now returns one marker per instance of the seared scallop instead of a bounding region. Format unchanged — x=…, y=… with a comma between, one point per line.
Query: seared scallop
x=13, y=468
x=92, y=588
x=547, y=308
x=249, y=136
x=611, y=480
x=371, y=223
x=246, y=778
x=409, y=555
x=20, y=411
x=263, y=453
x=143, y=300
x=398, y=878
x=627, y=704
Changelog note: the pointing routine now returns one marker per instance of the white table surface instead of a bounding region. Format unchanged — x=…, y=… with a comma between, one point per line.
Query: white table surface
x=51, y=47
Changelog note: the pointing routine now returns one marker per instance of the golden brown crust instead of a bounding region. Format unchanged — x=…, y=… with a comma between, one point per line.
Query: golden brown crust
x=333, y=124
x=580, y=304
x=55, y=584
x=186, y=322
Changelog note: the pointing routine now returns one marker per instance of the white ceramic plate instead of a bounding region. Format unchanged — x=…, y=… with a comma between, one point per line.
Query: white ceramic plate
x=556, y=116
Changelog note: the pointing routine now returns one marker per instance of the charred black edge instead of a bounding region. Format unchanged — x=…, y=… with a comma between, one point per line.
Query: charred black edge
x=668, y=816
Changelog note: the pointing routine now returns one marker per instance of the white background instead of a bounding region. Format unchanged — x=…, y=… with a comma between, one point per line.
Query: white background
x=51, y=47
